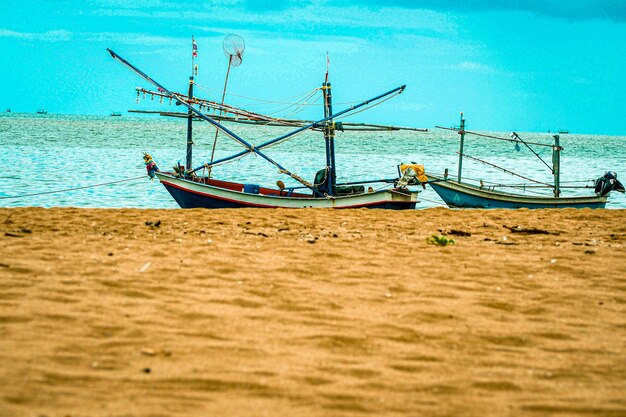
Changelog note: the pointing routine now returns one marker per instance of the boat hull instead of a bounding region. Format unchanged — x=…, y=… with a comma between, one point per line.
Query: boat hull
x=222, y=194
x=461, y=195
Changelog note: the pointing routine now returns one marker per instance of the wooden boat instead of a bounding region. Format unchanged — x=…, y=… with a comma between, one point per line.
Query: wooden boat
x=115, y=114
x=463, y=195
x=191, y=190
x=211, y=193
x=42, y=111
x=456, y=193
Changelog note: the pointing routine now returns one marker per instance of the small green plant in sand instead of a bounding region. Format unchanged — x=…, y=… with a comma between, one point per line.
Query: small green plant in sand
x=439, y=240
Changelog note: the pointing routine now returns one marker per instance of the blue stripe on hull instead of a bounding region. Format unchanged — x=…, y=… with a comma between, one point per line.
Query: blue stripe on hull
x=454, y=198
x=187, y=199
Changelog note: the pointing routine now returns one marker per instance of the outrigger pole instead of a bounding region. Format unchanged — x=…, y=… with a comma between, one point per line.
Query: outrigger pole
x=249, y=147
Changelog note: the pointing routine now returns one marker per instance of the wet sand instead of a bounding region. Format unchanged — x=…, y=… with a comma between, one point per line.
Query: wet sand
x=312, y=313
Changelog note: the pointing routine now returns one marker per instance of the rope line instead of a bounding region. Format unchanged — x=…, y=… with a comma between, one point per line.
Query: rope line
x=283, y=101
x=73, y=189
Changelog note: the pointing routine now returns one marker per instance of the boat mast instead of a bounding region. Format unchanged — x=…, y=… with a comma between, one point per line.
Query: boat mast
x=556, y=165
x=329, y=138
x=462, y=133
x=190, y=114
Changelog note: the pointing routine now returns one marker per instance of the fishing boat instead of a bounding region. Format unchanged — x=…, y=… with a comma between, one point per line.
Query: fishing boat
x=42, y=111
x=457, y=193
x=191, y=190
x=115, y=114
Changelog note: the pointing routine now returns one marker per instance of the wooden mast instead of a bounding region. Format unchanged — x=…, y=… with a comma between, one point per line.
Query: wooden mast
x=462, y=133
x=190, y=114
x=329, y=139
x=556, y=165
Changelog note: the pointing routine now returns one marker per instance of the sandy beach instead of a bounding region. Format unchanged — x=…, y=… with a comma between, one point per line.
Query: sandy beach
x=128, y=312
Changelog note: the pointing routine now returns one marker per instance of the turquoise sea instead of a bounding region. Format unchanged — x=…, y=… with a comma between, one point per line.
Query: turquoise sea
x=100, y=158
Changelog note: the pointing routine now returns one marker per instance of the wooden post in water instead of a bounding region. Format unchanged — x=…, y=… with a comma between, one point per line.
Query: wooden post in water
x=462, y=133
x=556, y=165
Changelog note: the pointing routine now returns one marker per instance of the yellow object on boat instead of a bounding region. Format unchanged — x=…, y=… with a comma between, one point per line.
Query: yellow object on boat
x=420, y=173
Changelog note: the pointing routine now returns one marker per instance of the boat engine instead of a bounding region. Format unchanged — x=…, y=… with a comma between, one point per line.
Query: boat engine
x=608, y=183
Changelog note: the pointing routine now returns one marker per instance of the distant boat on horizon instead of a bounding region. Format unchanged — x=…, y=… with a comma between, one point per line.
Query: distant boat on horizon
x=115, y=113
x=563, y=132
x=42, y=111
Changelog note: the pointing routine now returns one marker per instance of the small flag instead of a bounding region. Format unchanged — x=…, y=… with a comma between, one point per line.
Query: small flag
x=327, y=66
x=194, y=47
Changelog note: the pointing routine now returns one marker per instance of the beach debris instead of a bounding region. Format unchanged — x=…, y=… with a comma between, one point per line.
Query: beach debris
x=590, y=252
x=459, y=232
x=148, y=352
x=8, y=219
x=145, y=267
x=529, y=230
x=146, y=370
x=310, y=238
x=154, y=352
x=439, y=240
x=505, y=242
x=4, y=265
x=455, y=232
x=153, y=224
x=18, y=233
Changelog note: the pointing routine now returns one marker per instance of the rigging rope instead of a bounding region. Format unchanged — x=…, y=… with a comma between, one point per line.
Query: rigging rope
x=73, y=189
x=483, y=135
x=504, y=170
x=283, y=101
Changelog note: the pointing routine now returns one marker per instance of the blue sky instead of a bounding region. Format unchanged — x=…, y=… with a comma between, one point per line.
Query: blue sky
x=508, y=64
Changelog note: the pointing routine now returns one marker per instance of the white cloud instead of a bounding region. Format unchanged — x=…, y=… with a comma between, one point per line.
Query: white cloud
x=474, y=67
x=292, y=19
x=64, y=36
x=49, y=36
